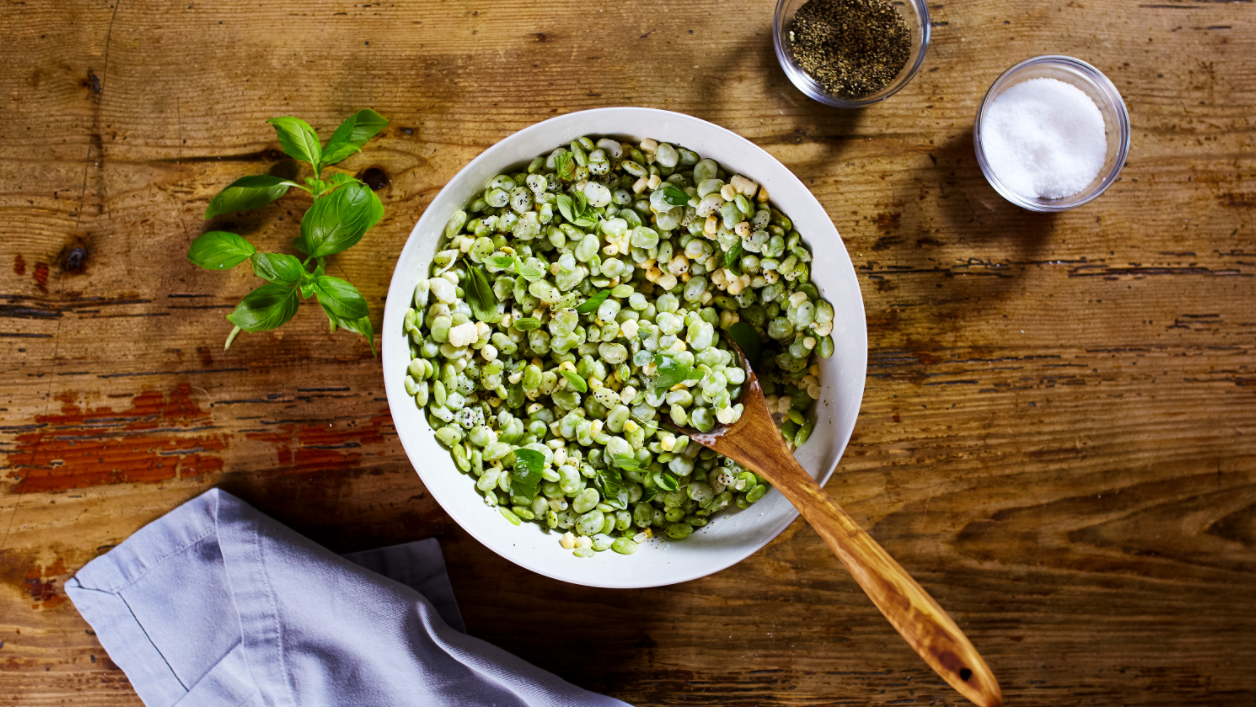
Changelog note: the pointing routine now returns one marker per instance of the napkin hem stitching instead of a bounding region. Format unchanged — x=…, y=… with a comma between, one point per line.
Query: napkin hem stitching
x=274, y=615
x=149, y=568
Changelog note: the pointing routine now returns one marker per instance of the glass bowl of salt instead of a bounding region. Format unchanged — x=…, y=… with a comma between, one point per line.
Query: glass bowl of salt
x=1052, y=134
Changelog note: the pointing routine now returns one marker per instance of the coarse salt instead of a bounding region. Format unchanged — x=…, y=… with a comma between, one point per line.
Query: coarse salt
x=1044, y=138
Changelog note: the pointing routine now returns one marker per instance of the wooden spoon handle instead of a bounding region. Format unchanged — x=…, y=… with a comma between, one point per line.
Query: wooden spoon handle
x=925, y=626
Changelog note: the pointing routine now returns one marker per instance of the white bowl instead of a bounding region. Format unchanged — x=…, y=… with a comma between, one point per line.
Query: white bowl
x=732, y=535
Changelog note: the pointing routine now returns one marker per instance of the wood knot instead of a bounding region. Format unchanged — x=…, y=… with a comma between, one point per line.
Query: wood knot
x=75, y=260
x=374, y=177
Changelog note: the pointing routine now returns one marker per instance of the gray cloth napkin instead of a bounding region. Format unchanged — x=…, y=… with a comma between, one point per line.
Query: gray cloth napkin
x=217, y=604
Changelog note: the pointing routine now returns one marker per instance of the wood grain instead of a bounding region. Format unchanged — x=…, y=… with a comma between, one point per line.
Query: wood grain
x=755, y=442
x=1058, y=436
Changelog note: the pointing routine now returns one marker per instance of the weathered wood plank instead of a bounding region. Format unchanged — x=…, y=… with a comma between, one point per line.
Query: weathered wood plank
x=1058, y=436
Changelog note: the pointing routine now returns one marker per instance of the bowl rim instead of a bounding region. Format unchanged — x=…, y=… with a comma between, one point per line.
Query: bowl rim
x=1103, y=85
x=397, y=303
x=810, y=88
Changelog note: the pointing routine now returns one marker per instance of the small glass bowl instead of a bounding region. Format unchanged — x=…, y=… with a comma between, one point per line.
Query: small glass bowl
x=914, y=12
x=1116, y=123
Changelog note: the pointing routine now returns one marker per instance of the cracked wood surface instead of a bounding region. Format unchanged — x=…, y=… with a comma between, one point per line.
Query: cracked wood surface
x=1057, y=437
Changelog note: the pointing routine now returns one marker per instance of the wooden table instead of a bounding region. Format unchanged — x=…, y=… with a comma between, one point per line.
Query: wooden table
x=1058, y=436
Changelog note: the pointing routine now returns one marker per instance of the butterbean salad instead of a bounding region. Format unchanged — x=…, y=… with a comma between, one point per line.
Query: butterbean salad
x=579, y=306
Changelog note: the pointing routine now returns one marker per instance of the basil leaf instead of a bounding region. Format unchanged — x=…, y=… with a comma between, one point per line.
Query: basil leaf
x=267, y=307
x=480, y=295
x=340, y=298
x=352, y=135
x=576, y=381
x=563, y=162
x=248, y=193
x=362, y=326
x=219, y=250
x=298, y=139
x=611, y=484
x=582, y=204
x=666, y=481
x=339, y=179
x=339, y=220
x=627, y=462
x=527, y=324
x=530, y=273
x=565, y=205
x=591, y=304
x=278, y=268
x=747, y=339
x=732, y=258
x=670, y=372
x=674, y=195
x=504, y=262
x=585, y=221
x=526, y=476
x=648, y=494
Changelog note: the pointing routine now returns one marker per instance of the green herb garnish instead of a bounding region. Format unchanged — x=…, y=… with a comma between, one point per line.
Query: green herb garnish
x=576, y=210
x=344, y=210
x=627, y=462
x=591, y=304
x=526, y=477
x=531, y=273
x=674, y=195
x=670, y=372
x=747, y=339
x=502, y=262
x=480, y=295
x=610, y=483
x=576, y=381
x=564, y=164
x=666, y=481
x=732, y=258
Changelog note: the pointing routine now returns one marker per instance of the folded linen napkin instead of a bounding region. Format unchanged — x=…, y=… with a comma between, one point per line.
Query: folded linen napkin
x=217, y=604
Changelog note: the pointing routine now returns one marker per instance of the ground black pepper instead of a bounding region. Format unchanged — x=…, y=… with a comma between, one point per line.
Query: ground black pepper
x=852, y=48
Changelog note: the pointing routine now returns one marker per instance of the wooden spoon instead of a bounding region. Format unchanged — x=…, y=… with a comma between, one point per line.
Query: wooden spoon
x=754, y=441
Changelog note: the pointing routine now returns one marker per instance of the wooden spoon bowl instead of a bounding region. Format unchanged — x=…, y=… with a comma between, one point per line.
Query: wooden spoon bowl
x=755, y=442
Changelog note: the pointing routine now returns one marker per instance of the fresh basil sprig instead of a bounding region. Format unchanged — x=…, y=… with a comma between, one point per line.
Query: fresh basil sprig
x=344, y=210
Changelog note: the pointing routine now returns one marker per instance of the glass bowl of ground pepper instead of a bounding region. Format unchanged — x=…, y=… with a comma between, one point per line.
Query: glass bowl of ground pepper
x=851, y=53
